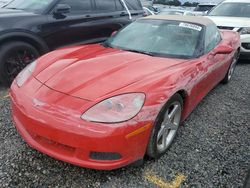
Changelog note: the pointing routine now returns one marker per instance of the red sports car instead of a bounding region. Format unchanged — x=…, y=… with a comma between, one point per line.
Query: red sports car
x=104, y=106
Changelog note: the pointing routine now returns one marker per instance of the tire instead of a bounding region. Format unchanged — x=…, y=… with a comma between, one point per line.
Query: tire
x=167, y=126
x=231, y=69
x=15, y=56
x=247, y=181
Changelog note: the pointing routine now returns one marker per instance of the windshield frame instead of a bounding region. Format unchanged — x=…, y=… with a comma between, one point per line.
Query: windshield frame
x=41, y=11
x=199, y=49
x=209, y=13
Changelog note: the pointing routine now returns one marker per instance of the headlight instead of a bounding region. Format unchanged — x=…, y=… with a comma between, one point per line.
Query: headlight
x=24, y=75
x=116, y=109
x=245, y=31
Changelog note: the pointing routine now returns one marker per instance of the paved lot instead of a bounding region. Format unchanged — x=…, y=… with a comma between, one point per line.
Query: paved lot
x=212, y=150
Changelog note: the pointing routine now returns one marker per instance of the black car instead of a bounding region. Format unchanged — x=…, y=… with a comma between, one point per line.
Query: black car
x=29, y=29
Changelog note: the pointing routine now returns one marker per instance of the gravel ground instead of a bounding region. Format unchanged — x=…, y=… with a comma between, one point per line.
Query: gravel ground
x=212, y=149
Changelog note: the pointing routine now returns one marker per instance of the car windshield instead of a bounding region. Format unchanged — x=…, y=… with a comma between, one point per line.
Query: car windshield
x=232, y=10
x=203, y=8
x=29, y=5
x=158, y=38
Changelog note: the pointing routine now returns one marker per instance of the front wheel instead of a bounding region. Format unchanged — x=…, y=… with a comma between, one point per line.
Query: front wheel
x=231, y=69
x=166, y=126
x=14, y=57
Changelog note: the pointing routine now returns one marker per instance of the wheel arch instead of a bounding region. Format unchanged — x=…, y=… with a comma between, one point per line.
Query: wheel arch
x=24, y=36
x=184, y=95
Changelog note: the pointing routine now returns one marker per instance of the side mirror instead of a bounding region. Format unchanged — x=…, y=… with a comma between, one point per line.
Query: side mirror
x=223, y=49
x=61, y=9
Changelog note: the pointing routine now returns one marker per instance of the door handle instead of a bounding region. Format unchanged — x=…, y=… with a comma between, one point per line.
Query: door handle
x=87, y=16
x=123, y=14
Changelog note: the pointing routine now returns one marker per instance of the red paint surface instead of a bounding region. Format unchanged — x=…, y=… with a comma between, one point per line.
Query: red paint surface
x=67, y=82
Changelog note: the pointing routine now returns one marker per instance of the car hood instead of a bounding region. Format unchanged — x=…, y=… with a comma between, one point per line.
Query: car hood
x=92, y=72
x=235, y=22
x=14, y=13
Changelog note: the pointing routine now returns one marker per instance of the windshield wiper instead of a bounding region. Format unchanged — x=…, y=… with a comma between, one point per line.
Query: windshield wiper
x=106, y=45
x=12, y=8
x=141, y=52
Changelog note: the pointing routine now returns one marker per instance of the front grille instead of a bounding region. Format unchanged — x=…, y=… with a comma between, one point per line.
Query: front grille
x=246, y=46
x=105, y=156
x=52, y=145
x=226, y=28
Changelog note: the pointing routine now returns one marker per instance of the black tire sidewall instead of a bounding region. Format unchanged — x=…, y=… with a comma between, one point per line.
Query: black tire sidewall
x=152, y=150
x=226, y=80
x=5, y=50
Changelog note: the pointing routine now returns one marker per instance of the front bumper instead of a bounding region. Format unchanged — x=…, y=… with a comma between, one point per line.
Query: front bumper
x=66, y=137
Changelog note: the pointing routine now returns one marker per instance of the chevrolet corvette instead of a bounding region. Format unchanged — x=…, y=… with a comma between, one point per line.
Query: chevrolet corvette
x=105, y=106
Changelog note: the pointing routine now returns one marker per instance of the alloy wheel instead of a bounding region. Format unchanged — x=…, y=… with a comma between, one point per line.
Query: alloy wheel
x=17, y=60
x=169, y=126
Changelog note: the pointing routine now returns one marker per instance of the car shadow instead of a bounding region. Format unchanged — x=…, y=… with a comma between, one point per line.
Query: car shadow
x=244, y=61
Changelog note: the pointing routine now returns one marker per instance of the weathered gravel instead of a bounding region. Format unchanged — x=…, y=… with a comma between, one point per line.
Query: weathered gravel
x=212, y=149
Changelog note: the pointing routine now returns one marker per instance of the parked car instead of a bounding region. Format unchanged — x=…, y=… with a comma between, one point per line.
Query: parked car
x=234, y=15
x=203, y=8
x=29, y=29
x=155, y=10
x=105, y=106
x=4, y=3
x=148, y=12
x=175, y=12
x=147, y=2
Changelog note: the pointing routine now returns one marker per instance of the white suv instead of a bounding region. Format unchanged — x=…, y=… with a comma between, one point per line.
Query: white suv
x=234, y=15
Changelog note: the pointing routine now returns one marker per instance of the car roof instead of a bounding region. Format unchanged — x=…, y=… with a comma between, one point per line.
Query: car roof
x=191, y=19
x=236, y=1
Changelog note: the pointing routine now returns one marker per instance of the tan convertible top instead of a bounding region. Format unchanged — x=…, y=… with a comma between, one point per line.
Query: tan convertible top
x=192, y=19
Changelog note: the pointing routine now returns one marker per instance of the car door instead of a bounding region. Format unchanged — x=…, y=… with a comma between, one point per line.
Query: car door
x=108, y=16
x=216, y=62
x=69, y=28
x=135, y=8
x=207, y=68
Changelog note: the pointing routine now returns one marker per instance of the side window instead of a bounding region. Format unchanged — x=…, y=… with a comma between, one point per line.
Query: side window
x=213, y=37
x=133, y=4
x=217, y=36
x=119, y=5
x=105, y=5
x=78, y=6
